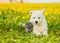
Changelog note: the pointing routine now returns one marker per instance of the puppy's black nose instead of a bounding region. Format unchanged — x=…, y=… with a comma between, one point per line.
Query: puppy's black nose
x=36, y=22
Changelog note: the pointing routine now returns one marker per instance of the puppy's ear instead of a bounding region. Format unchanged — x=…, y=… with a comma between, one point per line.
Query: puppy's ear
x=43, y=10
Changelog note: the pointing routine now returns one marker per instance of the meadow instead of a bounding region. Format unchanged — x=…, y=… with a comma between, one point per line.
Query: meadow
x=12, y=16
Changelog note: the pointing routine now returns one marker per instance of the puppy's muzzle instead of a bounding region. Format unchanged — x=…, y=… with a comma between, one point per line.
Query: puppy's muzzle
x=36, y=22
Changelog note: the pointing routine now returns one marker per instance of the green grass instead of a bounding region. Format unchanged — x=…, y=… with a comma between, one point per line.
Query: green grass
x=21, y=37
x=12, y=31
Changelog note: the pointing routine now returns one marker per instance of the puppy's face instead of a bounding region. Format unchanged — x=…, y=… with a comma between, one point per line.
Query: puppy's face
x=37, y=16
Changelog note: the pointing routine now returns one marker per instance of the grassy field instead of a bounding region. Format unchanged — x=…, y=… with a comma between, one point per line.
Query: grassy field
x=12, y=16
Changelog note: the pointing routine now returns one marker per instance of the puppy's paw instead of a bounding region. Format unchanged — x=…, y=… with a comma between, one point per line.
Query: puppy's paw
x=38, y=33
x=45, y=33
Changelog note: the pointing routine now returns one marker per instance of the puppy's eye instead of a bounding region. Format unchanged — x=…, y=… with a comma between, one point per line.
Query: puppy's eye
x=34, y=17
x=38, y=17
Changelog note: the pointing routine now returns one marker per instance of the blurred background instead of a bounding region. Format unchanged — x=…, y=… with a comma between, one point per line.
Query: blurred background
x=30, y=1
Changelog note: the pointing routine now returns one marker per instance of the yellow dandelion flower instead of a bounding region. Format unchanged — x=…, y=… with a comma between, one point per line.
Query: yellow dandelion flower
x=27, y=15
x=10, y=12
x=53, y=17
x=17, y=17
x=48, y=22
x=23, y=17
x=46, y=13
x=0, y=12
x=11, y=30
x=7, y=39
x=58, y=33
x=5, y=12
x=59, y=19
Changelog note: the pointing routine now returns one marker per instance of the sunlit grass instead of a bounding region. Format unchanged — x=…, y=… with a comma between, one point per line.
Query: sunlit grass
x=12, y=16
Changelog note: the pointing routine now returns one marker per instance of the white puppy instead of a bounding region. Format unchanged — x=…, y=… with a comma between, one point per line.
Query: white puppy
x=39, y=22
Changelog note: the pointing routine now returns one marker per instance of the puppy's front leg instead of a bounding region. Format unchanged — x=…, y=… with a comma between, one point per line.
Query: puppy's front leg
x=36, y=32
x=45, y=33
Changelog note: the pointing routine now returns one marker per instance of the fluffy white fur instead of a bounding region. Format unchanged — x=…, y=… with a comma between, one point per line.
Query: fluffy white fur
x=39, y=28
